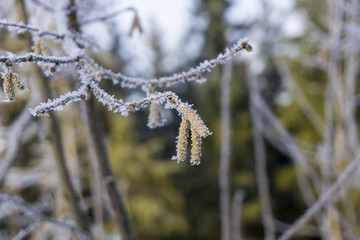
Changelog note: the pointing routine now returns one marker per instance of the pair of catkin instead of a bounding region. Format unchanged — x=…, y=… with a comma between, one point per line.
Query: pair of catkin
x=190, y=121
x=182, y=143
x=11, y=79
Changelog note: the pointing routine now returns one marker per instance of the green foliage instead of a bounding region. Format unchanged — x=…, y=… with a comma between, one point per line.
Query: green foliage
x=151, y=195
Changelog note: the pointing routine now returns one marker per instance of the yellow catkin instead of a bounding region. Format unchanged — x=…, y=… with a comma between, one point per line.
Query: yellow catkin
x=182, y=142
x=155, y=116
x=18, y=82
x=194, y=119
x=195, y=147
x=37, y=49
x=9, y=87
x=45, y=50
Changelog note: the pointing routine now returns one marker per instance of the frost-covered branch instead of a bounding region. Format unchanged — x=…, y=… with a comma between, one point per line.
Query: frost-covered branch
x=21, y=28
x=193, y=74
x=24, y=232
x=324, y=198
x=14, y=140
x=58, y=104
x=30, y=57
x=34, y=213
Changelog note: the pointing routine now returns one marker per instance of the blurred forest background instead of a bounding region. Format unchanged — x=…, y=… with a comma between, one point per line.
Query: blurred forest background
x=283, y=118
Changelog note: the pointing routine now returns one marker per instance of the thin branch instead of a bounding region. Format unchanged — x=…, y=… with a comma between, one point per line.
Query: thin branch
x=20, y=27
x=24, y=27
x=300, y=97
x=91, y=120
x=224, y=164
x=307, y=230
x=30, y=57
x=236, y=209
x=34, y=213
x=260, y=163
x=193, y=74
x=292, y=150
x=27, y=230
x=323, y=200
x=14, y=140
x=97, y=141
x=108, y=16
x=43, y=6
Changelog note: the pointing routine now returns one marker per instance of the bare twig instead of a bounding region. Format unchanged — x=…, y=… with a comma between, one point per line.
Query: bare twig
x=193, y=74
x=324, y=199
x=25, y=27
x=236, y=210
x=224, y=165
x=98, y=142
x=30, y=57
x=108, y=16
x=27, y=230
x=30, y=211
x=20, y=27
x=292, y=150
x=260, y=164
x=43, y=6
x=14, y=140
x=300, y=97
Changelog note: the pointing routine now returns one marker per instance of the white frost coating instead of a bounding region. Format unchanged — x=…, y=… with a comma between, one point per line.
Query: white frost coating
x=113, y=104
x=58, y=104
x=71, y=48
x=193, y=74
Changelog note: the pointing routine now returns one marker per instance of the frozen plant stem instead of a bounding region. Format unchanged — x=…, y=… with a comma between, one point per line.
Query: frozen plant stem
x=97, y=139
x=236, y=209
x=224, y=171
x=34, y=213
x=116, y=200
x=260, y=164
x=324, y=199
x=14, y=140
x=55, y=135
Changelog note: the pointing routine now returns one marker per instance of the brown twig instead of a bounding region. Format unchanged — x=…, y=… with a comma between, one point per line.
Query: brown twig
x=260, y=164
x=97, y=139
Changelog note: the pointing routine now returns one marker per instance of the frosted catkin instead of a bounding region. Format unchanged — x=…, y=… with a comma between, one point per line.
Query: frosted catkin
x=45, y=50
x=155, y=116
x=9, y=87
x=37, y=49
x=196, y=147
x=18, y=82
x=182, y=142
x=196, y=122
